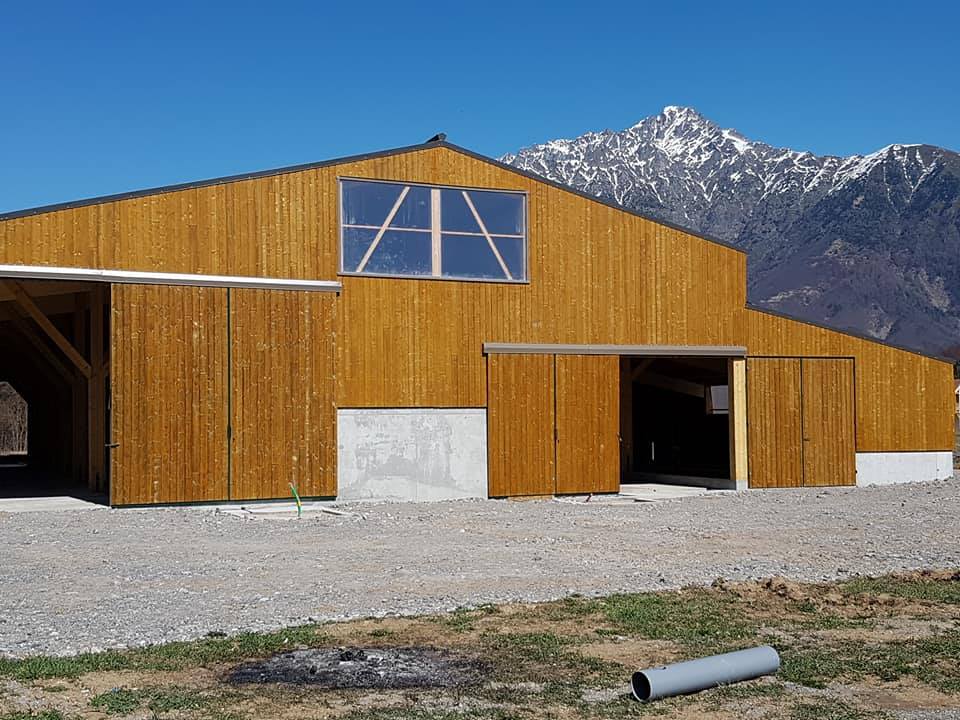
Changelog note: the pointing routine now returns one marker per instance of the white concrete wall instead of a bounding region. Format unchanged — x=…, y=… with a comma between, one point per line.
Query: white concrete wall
x=412, y=454
x=887, y=468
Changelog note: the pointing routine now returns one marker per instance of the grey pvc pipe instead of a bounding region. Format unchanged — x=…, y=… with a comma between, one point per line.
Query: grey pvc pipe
x=696, y=675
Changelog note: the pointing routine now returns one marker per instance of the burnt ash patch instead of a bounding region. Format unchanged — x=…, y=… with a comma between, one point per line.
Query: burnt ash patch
x=343, y=668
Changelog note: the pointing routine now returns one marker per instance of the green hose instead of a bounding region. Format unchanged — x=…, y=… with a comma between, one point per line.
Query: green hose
x=296, y=496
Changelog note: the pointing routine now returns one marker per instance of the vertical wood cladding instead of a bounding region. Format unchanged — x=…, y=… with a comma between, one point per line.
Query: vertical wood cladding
x=774, y=422
x=282, y=413
x=829, y=455
x=588, y=423
x=169, y=378
x=520, y=425
x=903, y=400
x=597, y=275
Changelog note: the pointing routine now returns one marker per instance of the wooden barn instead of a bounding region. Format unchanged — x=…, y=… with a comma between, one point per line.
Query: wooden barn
x=425, y=323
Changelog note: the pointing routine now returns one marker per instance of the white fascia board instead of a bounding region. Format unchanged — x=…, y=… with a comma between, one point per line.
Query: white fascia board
x=134, y=277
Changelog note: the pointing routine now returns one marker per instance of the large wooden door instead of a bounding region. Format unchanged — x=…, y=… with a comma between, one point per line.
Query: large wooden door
x=801, y=422
x=169, y=387
x=774, y=417
x=283, y=417
x=829, y=454
x=520, y=425
x=588, y=423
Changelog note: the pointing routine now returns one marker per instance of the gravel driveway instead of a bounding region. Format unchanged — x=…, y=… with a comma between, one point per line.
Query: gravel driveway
x=76, y=581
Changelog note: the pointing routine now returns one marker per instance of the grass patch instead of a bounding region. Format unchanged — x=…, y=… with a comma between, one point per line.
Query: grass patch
x=701, y=618
x=118, y=701
x=172, y=656
x=934, y=661
x=159, y=700
x=41, y=715
x=464, y=619
x=923, y=589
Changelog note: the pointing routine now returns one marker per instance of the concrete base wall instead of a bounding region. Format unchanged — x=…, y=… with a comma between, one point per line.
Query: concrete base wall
x=900, y=467
x=412, y=454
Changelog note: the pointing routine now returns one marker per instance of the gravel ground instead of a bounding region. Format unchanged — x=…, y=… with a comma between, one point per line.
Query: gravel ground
x=87, y=580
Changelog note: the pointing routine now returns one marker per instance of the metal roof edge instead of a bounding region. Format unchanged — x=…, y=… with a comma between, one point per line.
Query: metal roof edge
x=147, y=192
x=588, y=196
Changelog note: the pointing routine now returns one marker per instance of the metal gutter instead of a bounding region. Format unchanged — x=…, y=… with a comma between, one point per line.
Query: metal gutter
x=132, y=277
x=490, y=348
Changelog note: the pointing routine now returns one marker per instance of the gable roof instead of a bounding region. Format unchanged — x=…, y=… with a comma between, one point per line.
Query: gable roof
x=429, y=145
x=437, y=141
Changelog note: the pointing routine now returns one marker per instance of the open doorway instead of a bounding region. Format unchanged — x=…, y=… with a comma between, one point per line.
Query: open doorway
x=675, y=422
x=54, y=374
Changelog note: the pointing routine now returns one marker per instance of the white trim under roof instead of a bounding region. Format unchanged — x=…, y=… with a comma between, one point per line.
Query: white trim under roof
x=646, y=350
x=133, y=277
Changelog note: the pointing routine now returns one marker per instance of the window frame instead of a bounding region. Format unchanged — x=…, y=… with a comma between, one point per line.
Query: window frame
x=523, y=194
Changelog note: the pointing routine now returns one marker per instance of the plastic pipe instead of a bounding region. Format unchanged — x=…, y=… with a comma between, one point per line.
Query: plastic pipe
x=696, y=675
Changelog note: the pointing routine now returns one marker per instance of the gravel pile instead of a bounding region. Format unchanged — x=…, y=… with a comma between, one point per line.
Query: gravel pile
x=78, y=581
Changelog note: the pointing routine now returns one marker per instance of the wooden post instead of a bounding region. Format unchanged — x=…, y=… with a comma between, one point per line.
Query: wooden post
x=737, y=387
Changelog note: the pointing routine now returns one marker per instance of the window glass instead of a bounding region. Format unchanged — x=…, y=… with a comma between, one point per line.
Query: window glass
x=455, y=213
x=502, y=213
x=469, y=256
x=401, y=253
x=356, y=241
x=387, y=229
x=512, y=250
x=369, y=204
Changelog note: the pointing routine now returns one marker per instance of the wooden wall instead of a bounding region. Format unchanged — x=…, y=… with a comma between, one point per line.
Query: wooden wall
x=597, y=275
x=205, y=409
x=282, y=414
x=902, y=399
x=169, y=374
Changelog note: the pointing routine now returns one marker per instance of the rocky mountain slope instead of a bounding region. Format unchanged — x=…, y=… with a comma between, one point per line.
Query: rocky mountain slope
x=869, y=243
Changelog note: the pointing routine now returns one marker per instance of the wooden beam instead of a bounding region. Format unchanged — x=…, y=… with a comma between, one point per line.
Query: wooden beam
x=41, y=347
x=664, y=382
x=30, y=307
x=641, y=368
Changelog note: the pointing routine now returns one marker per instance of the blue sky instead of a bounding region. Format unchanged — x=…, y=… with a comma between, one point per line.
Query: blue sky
x=103, y=97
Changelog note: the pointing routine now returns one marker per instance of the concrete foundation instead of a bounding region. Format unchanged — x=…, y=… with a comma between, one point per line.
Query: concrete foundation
x=888, y=468
x=412, y=454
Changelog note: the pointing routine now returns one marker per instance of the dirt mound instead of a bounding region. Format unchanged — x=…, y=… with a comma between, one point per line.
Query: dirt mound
x=341, y=668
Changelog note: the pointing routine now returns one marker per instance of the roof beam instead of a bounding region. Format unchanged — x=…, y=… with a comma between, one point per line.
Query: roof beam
x=39, y=345
x=26, y=303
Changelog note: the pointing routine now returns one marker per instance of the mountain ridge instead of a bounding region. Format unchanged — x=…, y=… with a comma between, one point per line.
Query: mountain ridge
x=868, y=243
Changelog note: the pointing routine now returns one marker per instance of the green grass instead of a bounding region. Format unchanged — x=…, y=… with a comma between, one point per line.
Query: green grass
x=464, y=619
x=926, y=590
x=118, y=701
x=159, y=700
x=694, y=618
x=172, y=656
x=934, y=661
x=42, y=715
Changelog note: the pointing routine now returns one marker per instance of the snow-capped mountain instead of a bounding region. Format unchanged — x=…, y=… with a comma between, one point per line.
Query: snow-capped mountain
x=868, y=242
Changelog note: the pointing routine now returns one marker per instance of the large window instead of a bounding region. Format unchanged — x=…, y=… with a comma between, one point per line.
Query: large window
x=440, y=232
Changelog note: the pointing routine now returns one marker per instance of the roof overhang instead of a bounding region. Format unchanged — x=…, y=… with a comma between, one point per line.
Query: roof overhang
x=133, y=277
